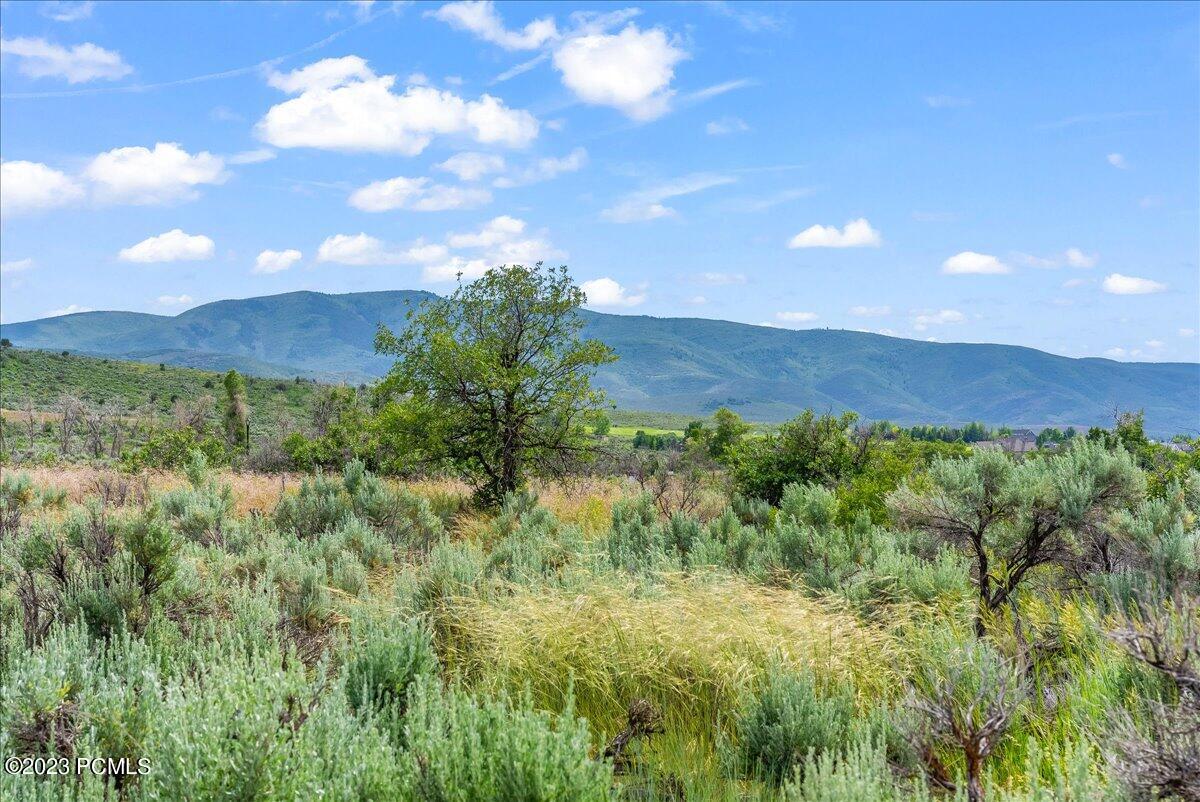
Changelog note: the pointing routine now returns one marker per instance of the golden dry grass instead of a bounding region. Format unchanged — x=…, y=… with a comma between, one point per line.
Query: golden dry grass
x=586, y=502
x=693, y=646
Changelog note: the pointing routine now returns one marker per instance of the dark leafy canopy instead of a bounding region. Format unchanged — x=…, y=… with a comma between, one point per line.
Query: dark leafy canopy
x=495, y=380
x=824, y=450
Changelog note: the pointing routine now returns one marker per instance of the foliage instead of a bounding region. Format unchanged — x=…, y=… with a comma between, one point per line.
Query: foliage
x=497, y=377
x=825, y=450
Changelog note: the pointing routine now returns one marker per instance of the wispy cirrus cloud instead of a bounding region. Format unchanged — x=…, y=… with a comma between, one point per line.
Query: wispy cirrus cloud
x=647, y=204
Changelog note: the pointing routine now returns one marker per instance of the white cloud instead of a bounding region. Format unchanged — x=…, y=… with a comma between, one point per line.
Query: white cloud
x=418, y=195
x=1187, y=333
x=1072, y=257
x=495, y=231
x=946, y=101
x=630, y=71
x=1117, y=160
x=647, y=204
x=1074, y=282
x=1117, y=284
x=796, y=317
x=276, y=261
x=61, y=11
x=855, y=234
x=481, y=18
x=31, y=186
x=173, y=246
x=142, y=176
x=38, y=58
x=354, y=249
x=362, y=249
x=606, y=292
x=470, y=166
x=70, y=309
x=324, y=74
x=726, y=125
x=173, y=300
x=696, y=300
x=467, y=269
x=719, y=279
x=15, y=266
x=342, y=105
x=970, y=262
x=870, y=311
x=924, y=319
x=1077, y=258
x=543, y=170
x=1121, y=353
x=256, y=156
x=1155, y=343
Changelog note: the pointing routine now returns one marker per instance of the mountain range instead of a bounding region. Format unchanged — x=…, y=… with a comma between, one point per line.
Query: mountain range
x=690, y=365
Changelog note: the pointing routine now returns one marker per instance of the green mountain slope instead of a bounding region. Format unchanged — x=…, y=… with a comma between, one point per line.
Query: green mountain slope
x=677, y=364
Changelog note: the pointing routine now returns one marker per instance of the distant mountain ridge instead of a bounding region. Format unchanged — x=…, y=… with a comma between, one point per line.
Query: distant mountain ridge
x=691, y=365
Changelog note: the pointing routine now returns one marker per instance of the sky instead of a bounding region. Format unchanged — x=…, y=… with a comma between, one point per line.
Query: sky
x=1015, y=173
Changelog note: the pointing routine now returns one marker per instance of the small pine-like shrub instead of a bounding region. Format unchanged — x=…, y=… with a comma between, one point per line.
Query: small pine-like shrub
x=461, y=748
x=786, y=723
x=385, y=666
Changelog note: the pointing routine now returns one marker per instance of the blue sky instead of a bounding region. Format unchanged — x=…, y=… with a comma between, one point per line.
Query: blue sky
x=1025, y=174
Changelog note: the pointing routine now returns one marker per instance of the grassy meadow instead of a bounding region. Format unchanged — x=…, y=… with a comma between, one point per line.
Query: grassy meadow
x=793, y=613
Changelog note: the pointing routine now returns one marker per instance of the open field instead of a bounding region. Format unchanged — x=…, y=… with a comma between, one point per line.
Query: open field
x=394, y=624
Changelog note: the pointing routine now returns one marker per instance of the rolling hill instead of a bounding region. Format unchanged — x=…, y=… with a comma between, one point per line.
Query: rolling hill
x=687, y=365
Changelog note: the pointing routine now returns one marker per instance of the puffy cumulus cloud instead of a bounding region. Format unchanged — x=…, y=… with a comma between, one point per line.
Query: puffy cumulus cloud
x=870, y=311
x=543, y=170
x=276, y=261
x=480, y=18
x=970, y=262
x=354, y=249
x=695, y=300
x=1155, y=343
x=1117, y=284
x=324, y=74
x=38, y=58
x=495, y=231
x=143, y=176
x=470, y=166
x=1117, y=160
x=418, y=195
x=174, y=300
x=69, y=309
x=796, y=317
x=173, y=246
x=362, y=249
x=924, y=319
x=1187, y=333
x=855, y=234
x=16, y=266
x=606, y=292
x=726, y=125
x=647, y=204
x=32, y=186
x=630, y=71
x=342, y=105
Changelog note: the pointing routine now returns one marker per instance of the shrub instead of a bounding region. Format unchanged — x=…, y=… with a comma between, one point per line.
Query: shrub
x=385, y=666
x=788, y=722
x=463, y=748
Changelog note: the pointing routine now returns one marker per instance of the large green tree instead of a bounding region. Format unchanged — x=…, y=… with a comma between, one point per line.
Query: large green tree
x=495, y=381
